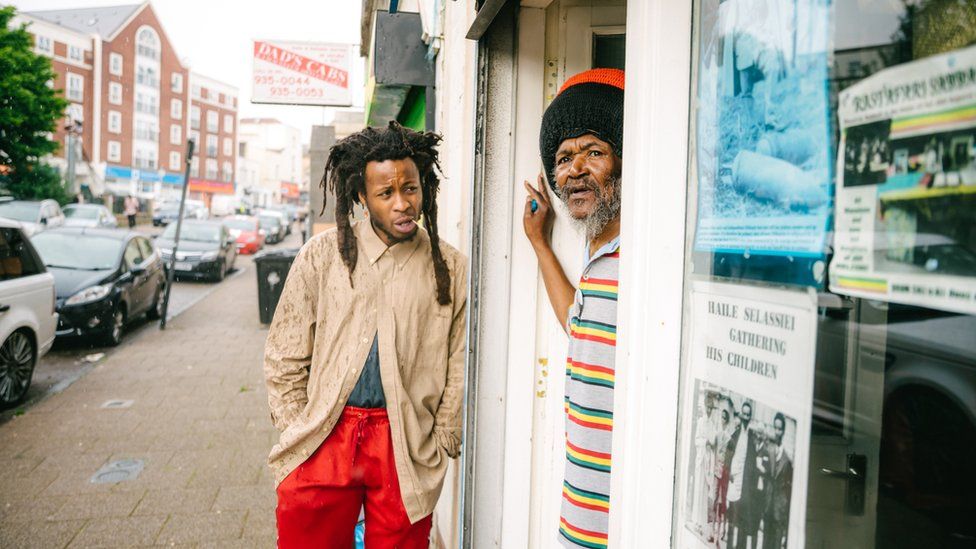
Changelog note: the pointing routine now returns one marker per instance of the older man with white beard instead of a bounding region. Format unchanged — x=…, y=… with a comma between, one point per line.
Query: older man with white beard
x=581, y=143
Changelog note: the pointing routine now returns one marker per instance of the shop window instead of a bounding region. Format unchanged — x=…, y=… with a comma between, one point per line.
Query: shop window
x=830, y=287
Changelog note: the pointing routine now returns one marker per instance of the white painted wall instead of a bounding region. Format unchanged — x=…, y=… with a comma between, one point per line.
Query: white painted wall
x=275, y=149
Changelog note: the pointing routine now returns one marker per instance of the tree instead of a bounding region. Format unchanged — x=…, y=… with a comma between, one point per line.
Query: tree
x=29, y=112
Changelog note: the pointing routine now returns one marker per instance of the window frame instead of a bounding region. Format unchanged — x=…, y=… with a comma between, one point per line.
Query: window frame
x=116, y=63
x=117, y=126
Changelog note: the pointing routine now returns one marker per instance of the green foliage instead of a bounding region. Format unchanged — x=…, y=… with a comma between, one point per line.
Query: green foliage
x=29, y=110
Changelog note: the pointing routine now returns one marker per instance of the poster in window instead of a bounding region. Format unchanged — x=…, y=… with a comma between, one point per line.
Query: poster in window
x=906, y=185
x=746, y=417
x=763, y=140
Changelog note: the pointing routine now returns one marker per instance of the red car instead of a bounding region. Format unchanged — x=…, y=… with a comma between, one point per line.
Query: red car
x=247, y=231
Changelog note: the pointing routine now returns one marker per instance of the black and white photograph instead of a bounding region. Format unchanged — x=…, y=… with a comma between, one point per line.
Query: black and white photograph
x=867, y=155
x=739, y=482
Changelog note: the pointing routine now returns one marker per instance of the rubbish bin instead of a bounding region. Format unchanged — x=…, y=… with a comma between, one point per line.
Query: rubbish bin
x=272, y=269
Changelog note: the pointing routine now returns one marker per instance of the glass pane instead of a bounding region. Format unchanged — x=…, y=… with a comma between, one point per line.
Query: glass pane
x=609, y=51
x=829, y=347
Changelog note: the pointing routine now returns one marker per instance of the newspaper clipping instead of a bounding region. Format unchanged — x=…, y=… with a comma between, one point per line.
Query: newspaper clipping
x=763, y=133
x=746, y=417
x=906, y=185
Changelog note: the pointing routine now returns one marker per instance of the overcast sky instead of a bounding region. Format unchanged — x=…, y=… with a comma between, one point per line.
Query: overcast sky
x=214, y=38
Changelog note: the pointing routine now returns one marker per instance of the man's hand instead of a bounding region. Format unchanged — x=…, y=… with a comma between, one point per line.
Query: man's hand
x=538, y=224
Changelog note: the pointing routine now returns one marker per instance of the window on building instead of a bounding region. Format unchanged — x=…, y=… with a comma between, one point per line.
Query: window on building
x=195, y=137
x=213, y=121
x=114, y=121
x=196, y=91
x=115, y=63
x=242, y=149
x=229, y=123
x=195, y=167
x=115, y=93
x=176, y=82
x=147, y=76
x=76, y=87
x=75, y=54
x=228, y=146
x=114, y=151
x=211, y=169
x=147, y=103
x=227, y=174
x=212, y=146
x=147, y=131
x=147, y=43
x=175, y=134
x=195, y=117
x=146, y=158
x=43, y=44
x=175, y=161
x=176, y=108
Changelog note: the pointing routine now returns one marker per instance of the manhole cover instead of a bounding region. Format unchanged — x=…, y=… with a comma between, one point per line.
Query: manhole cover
x=117, y=403
x=118, y=471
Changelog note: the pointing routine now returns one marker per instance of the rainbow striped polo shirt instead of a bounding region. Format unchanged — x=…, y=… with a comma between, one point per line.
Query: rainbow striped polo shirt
x=592, y=327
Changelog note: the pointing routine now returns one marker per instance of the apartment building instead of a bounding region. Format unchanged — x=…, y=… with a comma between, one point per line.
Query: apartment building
x=274, y=150
x=130, y=101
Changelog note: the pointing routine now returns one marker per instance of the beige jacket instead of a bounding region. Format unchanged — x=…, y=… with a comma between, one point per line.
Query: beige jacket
x=323, y=330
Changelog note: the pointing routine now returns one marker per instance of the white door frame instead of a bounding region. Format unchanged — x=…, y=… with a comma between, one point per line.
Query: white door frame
x=656, y=109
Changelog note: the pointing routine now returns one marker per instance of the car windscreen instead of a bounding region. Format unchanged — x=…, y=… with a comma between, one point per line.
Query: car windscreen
x=20, y=211
x=196, y=232
x=81, y=212
x=269, y=221
x=239, y=224
x=78, y=251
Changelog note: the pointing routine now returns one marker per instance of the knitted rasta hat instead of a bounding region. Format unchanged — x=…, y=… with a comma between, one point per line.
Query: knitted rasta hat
x=590, y=102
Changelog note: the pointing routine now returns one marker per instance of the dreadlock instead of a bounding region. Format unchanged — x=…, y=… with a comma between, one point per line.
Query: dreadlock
x=345, y=175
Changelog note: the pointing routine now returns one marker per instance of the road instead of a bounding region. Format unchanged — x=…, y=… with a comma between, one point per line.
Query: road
x=69, y=360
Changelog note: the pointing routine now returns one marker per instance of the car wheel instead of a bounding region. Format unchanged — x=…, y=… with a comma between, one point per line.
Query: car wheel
x=222, y=272
x=155, y=312
x=17, y=358
x=114, y=335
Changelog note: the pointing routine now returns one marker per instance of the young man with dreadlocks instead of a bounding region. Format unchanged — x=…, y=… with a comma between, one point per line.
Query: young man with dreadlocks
x=581, y=143
x=364, y=360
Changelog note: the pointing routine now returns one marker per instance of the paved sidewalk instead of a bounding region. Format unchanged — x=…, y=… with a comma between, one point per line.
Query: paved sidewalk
x=199, y=422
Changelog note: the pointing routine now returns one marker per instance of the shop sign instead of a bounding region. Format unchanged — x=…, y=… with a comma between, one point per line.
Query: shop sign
x=212, y=187
x=289, y=190
x=906, y=185
x=301, y=73
x=763, y=142
x=746, y=416
x=147, y=176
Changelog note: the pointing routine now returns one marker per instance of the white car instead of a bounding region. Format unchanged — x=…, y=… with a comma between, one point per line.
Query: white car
x=27, y=312
x=34, y=215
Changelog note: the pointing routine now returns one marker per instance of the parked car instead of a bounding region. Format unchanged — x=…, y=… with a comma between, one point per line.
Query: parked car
x=34, y=216
x=246, y=230
x=104, y=278
x=89, y=215
x=27, y=312
x=196, y=209
x=272, y=226
x=206, y=249
x=166, y=213
x=282, y=213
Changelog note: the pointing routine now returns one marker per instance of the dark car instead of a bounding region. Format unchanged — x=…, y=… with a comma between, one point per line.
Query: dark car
x=272, y=227
x=103, y=279
x=207, y=250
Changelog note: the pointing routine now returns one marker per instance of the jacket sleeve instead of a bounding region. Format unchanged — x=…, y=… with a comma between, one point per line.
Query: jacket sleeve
x=447, y=420
x=288, y=350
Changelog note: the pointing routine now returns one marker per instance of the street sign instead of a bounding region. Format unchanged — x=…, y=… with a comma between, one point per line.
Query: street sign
x=301, y=73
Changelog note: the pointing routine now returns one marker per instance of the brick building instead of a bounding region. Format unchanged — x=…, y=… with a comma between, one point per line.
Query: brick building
x=131, y=102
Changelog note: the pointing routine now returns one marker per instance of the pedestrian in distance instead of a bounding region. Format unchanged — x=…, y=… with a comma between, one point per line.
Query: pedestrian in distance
x=581, y=144
x=131, y=209
x=364, y=360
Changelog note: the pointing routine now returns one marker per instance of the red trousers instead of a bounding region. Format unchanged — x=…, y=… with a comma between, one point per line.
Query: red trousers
x=319, y=502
